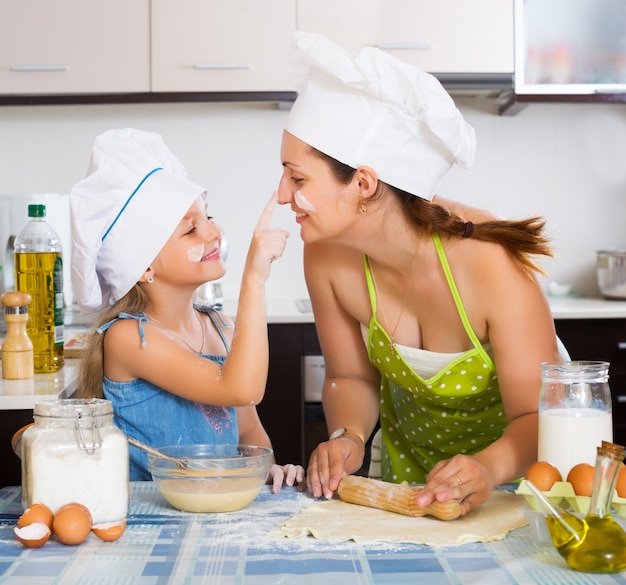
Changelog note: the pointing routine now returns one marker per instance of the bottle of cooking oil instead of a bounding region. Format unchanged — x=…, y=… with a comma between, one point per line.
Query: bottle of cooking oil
x=39, y=272
x=596, y=543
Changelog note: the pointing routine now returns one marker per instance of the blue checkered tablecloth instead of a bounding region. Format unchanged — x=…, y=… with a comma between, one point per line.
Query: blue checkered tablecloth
x=162, y=545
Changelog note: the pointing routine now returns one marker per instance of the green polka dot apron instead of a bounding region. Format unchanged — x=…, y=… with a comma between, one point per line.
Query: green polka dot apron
x=458, y=410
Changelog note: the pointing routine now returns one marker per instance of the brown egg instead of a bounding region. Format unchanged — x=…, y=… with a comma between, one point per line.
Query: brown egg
x=543, y=475
x=110, y=531
x=620, y=484
x=33, y=535
x=72, y=524
x=36, y=513
x=581, y=478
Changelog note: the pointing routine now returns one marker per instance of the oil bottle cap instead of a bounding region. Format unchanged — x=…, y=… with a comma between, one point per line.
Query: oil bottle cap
x=36, y=210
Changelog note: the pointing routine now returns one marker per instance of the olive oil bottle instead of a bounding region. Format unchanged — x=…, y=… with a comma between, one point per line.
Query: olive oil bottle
x=39, y=272
x=595, y=543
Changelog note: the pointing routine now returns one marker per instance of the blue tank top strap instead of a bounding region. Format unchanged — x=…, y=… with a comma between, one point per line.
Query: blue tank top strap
x=215, y=314
x=140, y=318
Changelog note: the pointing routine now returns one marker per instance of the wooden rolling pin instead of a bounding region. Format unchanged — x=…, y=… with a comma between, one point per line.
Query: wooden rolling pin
x=399, y=498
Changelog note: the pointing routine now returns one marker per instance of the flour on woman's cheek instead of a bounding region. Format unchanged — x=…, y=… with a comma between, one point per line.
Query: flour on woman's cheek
x=195, y=253
x=302, y=202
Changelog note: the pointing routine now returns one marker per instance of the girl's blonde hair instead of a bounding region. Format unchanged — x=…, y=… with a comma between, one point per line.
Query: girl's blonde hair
x=91, y=373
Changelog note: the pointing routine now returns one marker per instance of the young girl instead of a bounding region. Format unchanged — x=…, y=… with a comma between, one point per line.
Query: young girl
x=429, y=313
x=141, y=244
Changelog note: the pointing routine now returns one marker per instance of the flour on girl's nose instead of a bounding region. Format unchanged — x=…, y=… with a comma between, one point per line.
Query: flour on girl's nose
x=302, y=202
x=195, y=253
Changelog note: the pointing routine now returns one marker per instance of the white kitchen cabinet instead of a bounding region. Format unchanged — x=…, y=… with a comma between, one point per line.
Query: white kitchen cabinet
x=440, y=36
x=222, y=45
x=74, y=46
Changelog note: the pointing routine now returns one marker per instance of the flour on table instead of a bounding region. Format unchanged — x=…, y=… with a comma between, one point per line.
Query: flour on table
x=338, y=521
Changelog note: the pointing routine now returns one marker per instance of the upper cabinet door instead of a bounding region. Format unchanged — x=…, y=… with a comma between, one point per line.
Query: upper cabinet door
x=222, y=45
x=442, y=36
x=74, y=46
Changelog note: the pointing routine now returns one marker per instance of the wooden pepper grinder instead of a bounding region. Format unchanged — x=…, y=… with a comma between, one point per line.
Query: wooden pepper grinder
x=17, y=348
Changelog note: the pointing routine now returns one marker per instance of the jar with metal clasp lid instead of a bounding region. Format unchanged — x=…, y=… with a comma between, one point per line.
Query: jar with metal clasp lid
x=575, y=413
x=74, y=453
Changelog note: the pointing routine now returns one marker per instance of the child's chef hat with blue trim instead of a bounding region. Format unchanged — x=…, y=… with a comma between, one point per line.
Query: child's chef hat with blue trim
x=379, y=111
x=123, y=212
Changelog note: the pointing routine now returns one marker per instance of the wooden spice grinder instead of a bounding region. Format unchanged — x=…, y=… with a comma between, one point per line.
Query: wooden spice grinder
x=17, y=348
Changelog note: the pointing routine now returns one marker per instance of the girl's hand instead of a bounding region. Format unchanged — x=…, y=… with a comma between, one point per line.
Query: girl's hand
x=462, y=478
x=268, y=243
x=287, y=474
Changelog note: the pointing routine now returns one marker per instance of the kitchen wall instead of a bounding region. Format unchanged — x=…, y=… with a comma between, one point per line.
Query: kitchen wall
x=565, y=162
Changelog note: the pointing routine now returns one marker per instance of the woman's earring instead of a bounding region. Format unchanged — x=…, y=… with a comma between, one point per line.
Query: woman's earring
x=362, y=208
x=150, y=279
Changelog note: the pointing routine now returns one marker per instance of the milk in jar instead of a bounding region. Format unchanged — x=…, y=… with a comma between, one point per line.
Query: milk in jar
x=575, y=413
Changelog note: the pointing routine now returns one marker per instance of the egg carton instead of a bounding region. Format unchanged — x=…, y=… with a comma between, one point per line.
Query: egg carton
x=562, y=494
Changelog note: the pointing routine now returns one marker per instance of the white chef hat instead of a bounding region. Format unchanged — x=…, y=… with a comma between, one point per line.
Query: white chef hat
x=134, y=195
x=379, y=111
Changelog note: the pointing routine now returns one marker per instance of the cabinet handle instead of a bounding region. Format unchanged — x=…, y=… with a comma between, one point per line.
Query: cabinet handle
x=621, y=345
x=405, y=46
x=621, y=397
x=20, y=68
x=221, y=66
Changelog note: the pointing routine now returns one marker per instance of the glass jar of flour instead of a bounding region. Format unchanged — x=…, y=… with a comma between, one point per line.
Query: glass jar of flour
x=74, y=453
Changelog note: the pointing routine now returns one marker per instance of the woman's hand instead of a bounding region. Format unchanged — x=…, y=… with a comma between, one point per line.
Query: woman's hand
x=286, y=474
x=331, y=461
x=462, y=478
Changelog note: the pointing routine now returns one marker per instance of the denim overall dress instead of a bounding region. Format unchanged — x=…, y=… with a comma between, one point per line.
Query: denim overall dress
x=159, y=418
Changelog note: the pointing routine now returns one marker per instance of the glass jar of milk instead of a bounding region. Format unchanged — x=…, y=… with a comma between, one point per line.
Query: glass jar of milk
x=74, y=453
x=575, y=413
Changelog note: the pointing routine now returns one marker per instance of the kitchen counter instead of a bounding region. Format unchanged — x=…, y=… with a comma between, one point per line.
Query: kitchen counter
x=572, y=307
x=22, y=394
x=563, y=307
x=162, y=545
x=299, y=311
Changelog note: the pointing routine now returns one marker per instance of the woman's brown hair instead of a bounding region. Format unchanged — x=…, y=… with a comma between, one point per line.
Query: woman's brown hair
x=91, y=372
x=522, y=238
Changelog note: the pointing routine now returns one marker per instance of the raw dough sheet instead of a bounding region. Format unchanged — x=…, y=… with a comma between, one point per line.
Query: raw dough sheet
x=338, y=521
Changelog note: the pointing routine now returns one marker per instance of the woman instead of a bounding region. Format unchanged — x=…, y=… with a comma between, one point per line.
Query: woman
x=142, y=244
x=429, y=314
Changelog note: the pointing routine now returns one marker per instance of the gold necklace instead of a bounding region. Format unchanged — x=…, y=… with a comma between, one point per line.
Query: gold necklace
x=392, y=343
x=180, y=336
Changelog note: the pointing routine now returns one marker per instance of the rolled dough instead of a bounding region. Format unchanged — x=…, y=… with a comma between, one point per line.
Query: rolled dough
x=338, y=521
